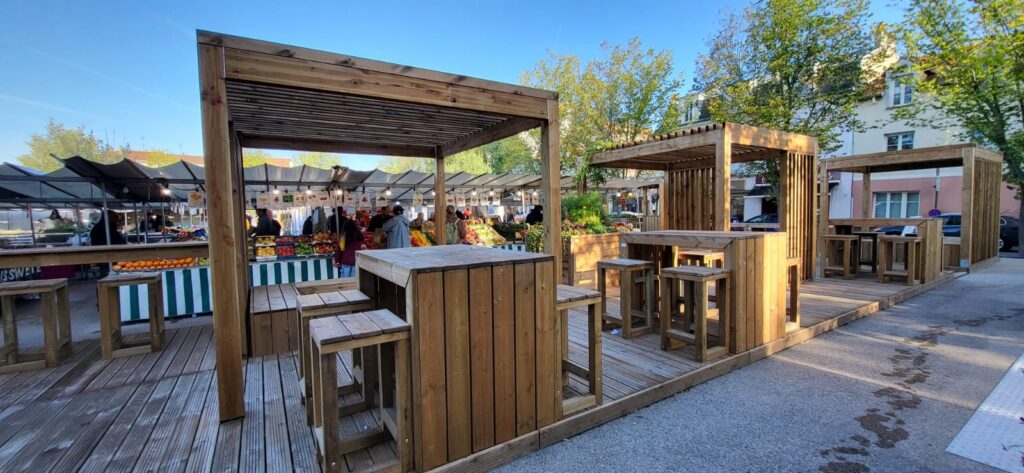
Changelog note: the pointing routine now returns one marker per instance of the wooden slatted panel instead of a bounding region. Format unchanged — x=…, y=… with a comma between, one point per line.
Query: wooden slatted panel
x=482, y=348
x=503, y=288
x=690, y=200
x=456, y=340
x=798, y=207
x=985, y=223
x=430, y=409
x=525, y=328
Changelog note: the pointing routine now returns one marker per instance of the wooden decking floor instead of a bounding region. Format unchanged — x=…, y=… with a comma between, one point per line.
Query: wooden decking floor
x=158, y=412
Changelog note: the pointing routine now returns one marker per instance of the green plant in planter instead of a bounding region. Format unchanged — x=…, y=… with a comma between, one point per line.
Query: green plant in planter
x=585, y=211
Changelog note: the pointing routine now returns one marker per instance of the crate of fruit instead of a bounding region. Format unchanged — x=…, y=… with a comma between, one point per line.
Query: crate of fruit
x=264, y=241
x=266, y=253
x=285, y=251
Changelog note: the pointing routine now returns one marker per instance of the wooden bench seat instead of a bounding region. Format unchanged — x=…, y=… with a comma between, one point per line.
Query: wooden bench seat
x=700, y=257
x=627, y=267
x=695, y=280
x=311, y=306
x=325, y=285
x=111, y=343
x=569, y=297
x=56, y=324
x=382, y=331
x=840, y=254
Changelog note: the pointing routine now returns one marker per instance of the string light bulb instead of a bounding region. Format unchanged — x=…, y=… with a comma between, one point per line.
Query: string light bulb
x=490, y=193
x=276, y=192
x=387, y=191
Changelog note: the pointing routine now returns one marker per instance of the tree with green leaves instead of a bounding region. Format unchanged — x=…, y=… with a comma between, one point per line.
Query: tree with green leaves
x=615, y=99
x=967, y=60
x=790, y=65
x=254, y=157
x=62, y=142
x=513, y=154
x=470, y=161
x=158, y=158
x=318, y=159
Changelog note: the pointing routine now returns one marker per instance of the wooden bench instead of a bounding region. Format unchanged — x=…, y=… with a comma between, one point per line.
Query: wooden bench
x=325, y=285
x=627, y=268
x=56, y=325
x=886, y=251
x=312, y=306
x=569, y=297
x=841, y=255
x=695, y=280
x=793, y=276
x=351, y=332
x=111, y=343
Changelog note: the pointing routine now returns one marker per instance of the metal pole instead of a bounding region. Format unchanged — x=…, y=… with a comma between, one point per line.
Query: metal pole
x=31, y=225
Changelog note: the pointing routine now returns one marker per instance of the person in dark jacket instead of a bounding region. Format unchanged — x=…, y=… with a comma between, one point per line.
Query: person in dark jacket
x=536, y=215
x=98, y=235
x=307, y=226
x=265, y=224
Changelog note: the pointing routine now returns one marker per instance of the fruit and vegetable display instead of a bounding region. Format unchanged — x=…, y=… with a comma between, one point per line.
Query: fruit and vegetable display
x=264, y=241
x=155, y=264
x=323, y=238
x=417, y=238
x=486, y=235
x=285, y=251
x=323, y=248
x=303, y=249
x=265, y=253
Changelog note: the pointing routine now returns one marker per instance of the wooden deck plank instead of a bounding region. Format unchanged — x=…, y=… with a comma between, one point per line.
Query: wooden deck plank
x=253, y=456
x=279, y=457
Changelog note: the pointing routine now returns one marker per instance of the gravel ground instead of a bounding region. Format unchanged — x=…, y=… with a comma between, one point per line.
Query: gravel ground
x=886, y=393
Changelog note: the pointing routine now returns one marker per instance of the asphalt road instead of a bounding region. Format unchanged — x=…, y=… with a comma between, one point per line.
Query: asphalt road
x=884, y=394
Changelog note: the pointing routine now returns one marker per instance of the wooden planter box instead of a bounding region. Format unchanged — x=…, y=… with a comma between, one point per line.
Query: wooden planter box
x=580, y=255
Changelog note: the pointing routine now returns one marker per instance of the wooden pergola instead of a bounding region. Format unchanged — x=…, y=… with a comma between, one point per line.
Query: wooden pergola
x=982, y=174
x=264, y=95
x=698, y=166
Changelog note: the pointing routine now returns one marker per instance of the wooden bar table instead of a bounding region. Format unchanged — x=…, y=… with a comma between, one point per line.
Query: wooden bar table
x=757, y=265
x=486, y=351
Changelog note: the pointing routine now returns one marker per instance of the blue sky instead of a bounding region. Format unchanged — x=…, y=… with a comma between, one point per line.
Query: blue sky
x=127, y=69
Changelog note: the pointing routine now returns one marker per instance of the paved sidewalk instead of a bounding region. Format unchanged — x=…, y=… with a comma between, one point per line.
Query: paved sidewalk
x=885, y=393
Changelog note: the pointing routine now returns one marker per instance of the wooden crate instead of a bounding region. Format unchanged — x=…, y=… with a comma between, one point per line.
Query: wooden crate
x=581, y=254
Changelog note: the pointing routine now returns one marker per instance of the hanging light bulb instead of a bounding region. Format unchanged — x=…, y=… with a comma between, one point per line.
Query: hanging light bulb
x=535, y=193
x=490, y=193
x=337, y=192
x=618, y=194
x=166, y=191
x=473, y=192
x=309, y=192
x=433, y=193
x=387, y=191
x=519, y=192
x=276, y=191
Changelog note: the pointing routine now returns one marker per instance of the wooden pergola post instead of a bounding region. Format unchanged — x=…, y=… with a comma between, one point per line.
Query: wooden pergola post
x=967, y=209
x=823, y=204
x=865, y=198
x=551, y=175
x=223, y=239
x=440, y=202
x=723, y=176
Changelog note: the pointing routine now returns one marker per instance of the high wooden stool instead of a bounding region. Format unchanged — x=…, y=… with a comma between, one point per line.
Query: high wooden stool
x=841, y=255
x=568, y=297
x=695, y=280
x=111, y=343
x=627, y=268
x=872, y=238
x=793, y=276
x=311, y=306
x=350, y=332
x=699, y=257
x=56, y=325
x=887, y=248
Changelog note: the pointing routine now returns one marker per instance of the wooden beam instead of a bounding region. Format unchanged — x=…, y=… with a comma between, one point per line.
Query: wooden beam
x=907, y=159
x=967, y=208
x=606, y=158
x=294, y=72
x=330, y=146
x=551, y=175
x=440, y=232
x=746, y=135
x=491, y=134
x=723, y=174
x=266, y=47
x=222, y=239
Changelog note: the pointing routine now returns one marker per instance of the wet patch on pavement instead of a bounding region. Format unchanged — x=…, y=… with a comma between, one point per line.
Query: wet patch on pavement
x=908, y=368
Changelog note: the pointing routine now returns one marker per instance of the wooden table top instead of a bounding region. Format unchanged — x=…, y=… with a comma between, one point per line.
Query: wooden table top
x=692, y=238
x=398, y=264
x=99, y=254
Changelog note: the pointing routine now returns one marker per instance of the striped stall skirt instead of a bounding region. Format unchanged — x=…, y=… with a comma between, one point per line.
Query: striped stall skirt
x=187, y=291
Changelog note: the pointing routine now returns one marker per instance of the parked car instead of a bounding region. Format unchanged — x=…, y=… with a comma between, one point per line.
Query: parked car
x=1008, y=226
x=763, y=218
